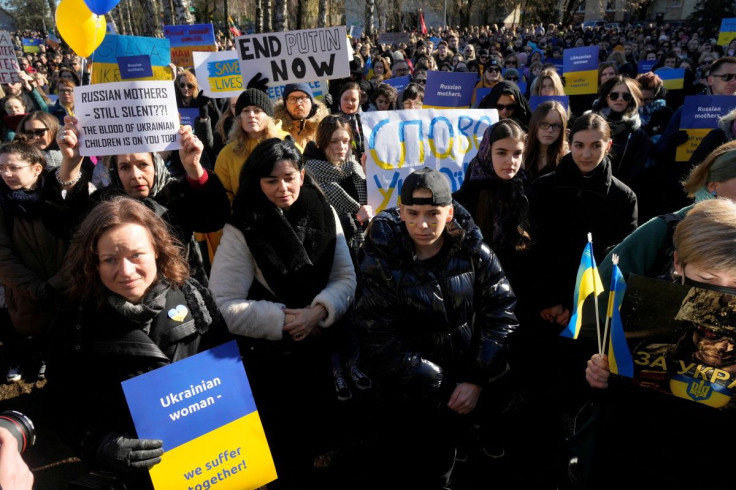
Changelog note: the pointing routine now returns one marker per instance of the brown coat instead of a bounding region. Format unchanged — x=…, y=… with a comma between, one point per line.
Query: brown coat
x=302, y=131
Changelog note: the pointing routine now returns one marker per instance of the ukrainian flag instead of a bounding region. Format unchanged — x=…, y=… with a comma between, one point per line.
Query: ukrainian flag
x=587, y=282
x=619, y=356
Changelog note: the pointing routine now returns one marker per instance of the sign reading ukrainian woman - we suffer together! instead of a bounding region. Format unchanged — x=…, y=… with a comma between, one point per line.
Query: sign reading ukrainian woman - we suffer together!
x=203, y=410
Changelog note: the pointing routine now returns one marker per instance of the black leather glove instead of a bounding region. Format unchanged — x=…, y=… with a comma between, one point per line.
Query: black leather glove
x=123, y=454
x=328, y=100
x=258, y=81
x=203, y=111
x=679, y=137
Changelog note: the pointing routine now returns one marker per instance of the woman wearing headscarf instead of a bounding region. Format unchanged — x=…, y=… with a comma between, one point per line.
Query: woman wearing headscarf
x=510, y=103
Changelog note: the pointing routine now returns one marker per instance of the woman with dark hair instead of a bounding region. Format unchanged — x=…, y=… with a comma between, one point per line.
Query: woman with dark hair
x=618, y=103
x=349, y=103
x=40, y=128
x=126, y=273
x=381, y=70
x=195, y=202
x=385, y=98
x=653, y=111
x=510, y=103
x=412, y=97
x=281, y=276
x=493, y=193
x=547, y=141
x=33, y=242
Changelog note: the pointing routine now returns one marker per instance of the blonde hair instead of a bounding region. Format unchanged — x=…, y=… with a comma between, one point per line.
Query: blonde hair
x=698, y=177
x=544, y=75
x=707, y=236
x=240, y=137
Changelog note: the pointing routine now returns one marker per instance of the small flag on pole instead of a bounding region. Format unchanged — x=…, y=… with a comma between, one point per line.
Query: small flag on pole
x=619, y=356
x=588, y=282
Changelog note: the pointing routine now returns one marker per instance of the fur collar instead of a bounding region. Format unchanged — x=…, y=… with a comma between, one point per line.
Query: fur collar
x=319, y=111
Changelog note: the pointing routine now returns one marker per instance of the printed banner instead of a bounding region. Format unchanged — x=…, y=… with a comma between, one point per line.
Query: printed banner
x=135, y=67
x=319, y=89
x=9, y=69
x=447, y=90
x=395, y=38
x=186, y=39
x=535, y=100
x=187, y=116
x=356, y=31
x=645, y=66
x=700, y=114
x=295, y=56
x=728, y=31
x=31, y=45
x=218, y=73
x=673, y=78
x=127, y=117
x=398, y=142
x=105, y=68
x=682, y=340
x=203, y=409
x=581, y=70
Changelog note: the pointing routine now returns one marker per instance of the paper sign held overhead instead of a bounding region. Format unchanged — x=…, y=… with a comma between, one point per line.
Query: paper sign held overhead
x=127, y=117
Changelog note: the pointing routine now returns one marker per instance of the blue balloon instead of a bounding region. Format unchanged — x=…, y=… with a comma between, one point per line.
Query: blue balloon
x=101, y=7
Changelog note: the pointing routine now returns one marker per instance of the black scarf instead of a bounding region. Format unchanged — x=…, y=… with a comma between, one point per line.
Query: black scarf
x=22, y=203
x=293, y=249
x=143, y=313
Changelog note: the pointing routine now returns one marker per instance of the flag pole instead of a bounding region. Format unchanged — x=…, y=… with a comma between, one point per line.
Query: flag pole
x=595, y=296
x=611, y=296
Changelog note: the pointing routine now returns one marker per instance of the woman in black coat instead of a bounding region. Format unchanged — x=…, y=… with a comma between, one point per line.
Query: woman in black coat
x=510, y=103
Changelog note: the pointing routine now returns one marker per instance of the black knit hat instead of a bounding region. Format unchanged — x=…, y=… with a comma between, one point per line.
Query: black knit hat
x=253, y=96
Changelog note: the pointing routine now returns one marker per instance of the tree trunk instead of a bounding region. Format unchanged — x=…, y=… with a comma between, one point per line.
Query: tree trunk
x=52, y=8
x=125, y=17
x=280, y=21
x=226, y=17
x=182, y=16
x=259, y=16
x=322, y=15
x=151, y=26
x=267, y=16
x=370, y=10
x=168, y=18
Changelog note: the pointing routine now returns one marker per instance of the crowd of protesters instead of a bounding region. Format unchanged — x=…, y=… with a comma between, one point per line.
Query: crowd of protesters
x=432, y=329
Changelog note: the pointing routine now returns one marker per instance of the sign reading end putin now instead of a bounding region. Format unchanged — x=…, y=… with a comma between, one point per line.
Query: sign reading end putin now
x=203, y=409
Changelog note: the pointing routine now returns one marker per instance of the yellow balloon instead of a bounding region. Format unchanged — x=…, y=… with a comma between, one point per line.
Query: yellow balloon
x=82, y=30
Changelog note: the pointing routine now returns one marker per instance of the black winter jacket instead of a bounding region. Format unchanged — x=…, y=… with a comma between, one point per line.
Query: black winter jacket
x=427, y=325
x=565, y=207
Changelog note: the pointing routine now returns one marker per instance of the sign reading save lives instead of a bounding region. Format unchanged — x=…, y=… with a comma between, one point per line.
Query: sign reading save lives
x=127, y=117
x=295, y=56
x=203, y=409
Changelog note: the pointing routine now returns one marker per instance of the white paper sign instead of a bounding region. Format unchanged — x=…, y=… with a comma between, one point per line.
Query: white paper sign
x=127, y=117
x=218, y=73
x=9, y=69
x=295, y=56
x=399, y=142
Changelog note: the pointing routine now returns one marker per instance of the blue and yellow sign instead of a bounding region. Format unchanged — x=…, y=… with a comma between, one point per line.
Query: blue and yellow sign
x=673, y=78
x=185, y=39
x=728, y=31
x=105, y=68
x=700, y=115
x=203, y=409
x=449, y=90
x=581, y=70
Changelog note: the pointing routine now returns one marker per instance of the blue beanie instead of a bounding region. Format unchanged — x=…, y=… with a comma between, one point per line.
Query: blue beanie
x=298, y=87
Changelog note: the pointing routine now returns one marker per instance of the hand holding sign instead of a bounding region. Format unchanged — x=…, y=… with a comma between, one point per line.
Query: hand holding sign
x=68, y=138
x=191, y=152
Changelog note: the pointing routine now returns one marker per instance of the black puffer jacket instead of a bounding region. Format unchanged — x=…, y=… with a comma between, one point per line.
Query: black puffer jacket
x=565, y=207
x=415, y=318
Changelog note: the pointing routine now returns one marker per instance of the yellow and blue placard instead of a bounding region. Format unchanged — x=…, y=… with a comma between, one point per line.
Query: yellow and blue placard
x=673, y=78
x=105, y=68
x=700, y=115
x=580, y=66
x=185, y=39
x=449, y=90
x=31, y=45
x=218, y=73
x=728, y=31
x=203, y=409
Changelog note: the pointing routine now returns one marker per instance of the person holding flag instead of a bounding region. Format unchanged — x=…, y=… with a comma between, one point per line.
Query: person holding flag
x=629, y=415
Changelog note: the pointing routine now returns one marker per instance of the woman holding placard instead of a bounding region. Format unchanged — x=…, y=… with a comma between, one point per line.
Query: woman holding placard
x=196, y=202
x=140, y=311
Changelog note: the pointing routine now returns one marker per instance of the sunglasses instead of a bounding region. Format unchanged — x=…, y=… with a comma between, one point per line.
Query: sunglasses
x=512, y=79
x=726, y=77
x=186, y=85
x=422, y=81
x=35, y=133
x=624, y=95
x=506, y=107
x=495, y=69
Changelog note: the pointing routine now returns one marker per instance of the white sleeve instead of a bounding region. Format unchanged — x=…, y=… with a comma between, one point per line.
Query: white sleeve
x=233, y=273
x=339, y=293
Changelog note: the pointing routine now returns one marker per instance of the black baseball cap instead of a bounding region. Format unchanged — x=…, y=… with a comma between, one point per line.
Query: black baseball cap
x=426, y=178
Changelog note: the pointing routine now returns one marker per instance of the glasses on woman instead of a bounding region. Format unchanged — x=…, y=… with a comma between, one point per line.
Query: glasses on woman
x=186, y=85
x=512, y=79
x=494, y=69
x=544, y=126
x=624, y=95
x=35, y=134
x=505, y=107
x=511, y=62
